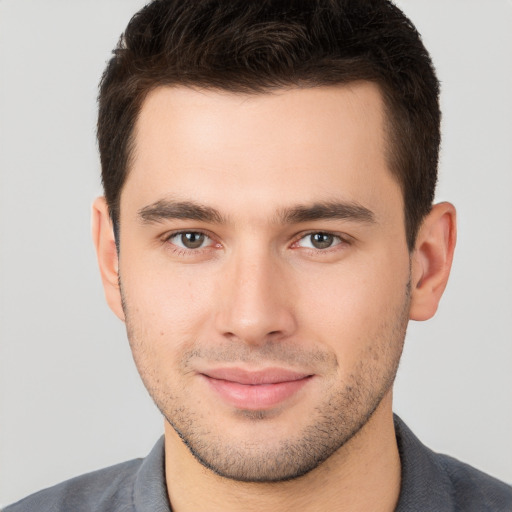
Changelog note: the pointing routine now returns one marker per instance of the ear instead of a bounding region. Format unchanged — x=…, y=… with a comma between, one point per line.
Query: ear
x=432, y=260
x=106, y=252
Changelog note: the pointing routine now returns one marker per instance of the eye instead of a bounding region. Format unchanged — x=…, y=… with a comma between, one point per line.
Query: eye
x=319, y=240
x=190, y=240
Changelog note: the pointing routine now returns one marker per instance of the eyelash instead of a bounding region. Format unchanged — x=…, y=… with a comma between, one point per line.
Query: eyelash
x=184, y=251
x=342, y=241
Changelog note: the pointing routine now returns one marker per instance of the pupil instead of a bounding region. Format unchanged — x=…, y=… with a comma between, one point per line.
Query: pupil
x=192, y=240
x=322, y=240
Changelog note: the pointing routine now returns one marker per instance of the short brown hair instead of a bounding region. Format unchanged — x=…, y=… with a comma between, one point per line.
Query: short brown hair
x=260, y=45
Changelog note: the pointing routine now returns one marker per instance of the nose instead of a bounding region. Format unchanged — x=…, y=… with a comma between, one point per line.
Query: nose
x=256, y=301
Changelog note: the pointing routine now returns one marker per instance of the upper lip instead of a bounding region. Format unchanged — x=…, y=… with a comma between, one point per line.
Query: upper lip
x=255, y=377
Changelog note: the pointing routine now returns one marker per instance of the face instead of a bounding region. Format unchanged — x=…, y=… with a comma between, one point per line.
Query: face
x=264, y=271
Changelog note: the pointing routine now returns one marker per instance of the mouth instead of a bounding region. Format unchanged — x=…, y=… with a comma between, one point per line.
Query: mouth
x=255, y=390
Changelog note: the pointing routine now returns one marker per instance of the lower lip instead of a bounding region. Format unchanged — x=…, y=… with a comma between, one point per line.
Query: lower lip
x=256, y=397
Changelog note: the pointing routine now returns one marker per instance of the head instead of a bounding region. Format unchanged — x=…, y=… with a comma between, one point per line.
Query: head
x=270, y=168
x=257, y=47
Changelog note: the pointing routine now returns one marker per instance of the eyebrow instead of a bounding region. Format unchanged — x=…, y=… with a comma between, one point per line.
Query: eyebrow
x=166, y=209
x=327, y=210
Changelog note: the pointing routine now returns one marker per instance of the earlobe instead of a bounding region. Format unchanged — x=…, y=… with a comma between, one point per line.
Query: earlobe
x=106, y=252
x=432, y=260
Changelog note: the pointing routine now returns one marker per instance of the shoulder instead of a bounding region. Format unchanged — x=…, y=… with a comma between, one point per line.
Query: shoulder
x=432, y=481
x=474, y=490
x=104, y=490
x=136, y=485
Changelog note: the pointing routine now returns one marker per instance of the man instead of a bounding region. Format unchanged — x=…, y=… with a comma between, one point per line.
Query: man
x=266, y=234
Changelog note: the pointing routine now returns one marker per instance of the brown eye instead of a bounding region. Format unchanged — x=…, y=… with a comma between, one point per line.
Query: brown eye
x=192, y=240
x=189, y=239
x=321, y=240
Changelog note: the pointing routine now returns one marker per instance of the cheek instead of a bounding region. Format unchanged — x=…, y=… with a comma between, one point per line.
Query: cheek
x=165, y=298
x=165, y=314
x=350, y=308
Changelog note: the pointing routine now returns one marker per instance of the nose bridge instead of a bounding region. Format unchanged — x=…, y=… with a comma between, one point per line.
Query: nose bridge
x=255, y=305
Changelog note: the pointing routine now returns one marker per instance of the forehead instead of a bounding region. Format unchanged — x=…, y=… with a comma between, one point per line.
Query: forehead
x=296, y=145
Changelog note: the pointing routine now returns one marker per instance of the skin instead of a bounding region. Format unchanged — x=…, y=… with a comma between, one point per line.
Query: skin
x=239, y=176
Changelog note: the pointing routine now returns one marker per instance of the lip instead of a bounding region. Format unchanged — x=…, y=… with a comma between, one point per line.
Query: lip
x=255, y=390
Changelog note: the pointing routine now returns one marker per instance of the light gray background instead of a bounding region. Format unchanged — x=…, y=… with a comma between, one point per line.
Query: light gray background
x=70, y=397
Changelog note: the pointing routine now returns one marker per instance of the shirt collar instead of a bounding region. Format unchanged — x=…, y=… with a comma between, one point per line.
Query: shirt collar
x=150, y=489
x=425, y=485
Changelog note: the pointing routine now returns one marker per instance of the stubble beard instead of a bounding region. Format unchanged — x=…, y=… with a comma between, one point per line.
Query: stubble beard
x=333, y=423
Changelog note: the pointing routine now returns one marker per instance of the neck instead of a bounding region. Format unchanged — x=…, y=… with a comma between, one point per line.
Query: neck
x=362, y=475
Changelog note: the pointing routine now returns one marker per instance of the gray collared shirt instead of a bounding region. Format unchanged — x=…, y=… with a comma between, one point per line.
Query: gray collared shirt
x=430, y=483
